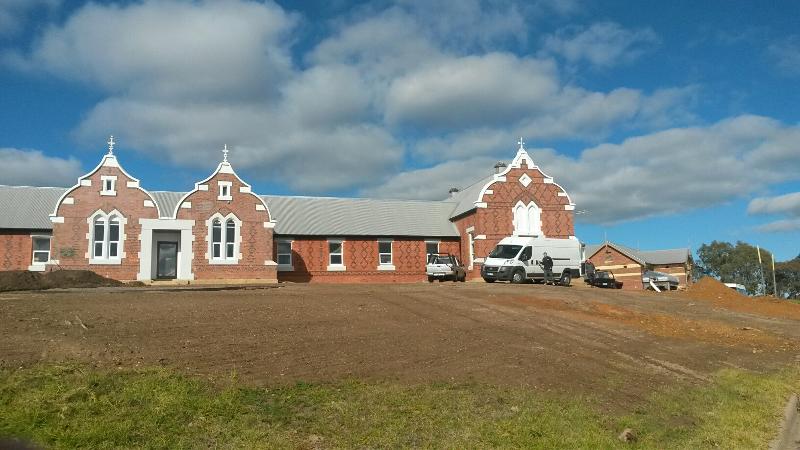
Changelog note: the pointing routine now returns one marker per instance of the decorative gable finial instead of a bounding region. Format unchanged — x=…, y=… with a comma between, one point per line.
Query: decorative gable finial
x=111, y=145
x=521, y=143
x=225, y=153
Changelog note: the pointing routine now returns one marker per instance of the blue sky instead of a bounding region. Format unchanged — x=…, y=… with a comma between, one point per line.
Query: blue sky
x=670, y=123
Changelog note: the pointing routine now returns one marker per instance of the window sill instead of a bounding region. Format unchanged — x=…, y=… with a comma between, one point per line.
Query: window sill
x=387, y=267
x=285, y=268
x=109, y=193
x=112, y=261
x=37, y=267
x=336, y=268
x=223, y=262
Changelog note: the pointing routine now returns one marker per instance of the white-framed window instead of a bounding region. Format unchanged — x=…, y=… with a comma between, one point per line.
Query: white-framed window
x=41, y=249
x=527, y=219
x=431, y=249
x=106, y=237
x=108, y=185
x=225, y=190
x=284, y=252
x=335, y=254
x=385, y=255
x=223, y=239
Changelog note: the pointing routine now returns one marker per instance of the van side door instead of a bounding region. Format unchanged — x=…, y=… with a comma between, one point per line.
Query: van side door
x=525, y=258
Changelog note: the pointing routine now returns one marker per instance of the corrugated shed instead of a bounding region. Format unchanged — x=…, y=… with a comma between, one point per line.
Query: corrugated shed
x=28, y=207
x=669, y=256
x=326, y=216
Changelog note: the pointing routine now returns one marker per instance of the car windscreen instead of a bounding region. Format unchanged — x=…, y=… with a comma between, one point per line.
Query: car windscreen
x=443, y=260
x=505, y=251
x=602, y=275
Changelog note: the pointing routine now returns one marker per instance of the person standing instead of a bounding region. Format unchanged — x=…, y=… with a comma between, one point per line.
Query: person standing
x=547, y=265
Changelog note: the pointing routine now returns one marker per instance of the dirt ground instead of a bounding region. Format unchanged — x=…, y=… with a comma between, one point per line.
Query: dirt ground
x=613, y=345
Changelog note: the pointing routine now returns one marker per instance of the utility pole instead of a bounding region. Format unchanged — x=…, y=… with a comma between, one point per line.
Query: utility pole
x=774, y=283
x=761, y=267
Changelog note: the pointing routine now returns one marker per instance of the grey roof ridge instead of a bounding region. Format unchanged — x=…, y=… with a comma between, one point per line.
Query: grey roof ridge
x=35, y=187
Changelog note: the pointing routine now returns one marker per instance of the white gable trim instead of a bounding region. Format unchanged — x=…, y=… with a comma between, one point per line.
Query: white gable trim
x=223, y=167
x=107, y=161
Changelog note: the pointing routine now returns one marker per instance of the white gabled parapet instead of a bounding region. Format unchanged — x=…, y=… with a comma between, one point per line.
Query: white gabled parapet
x=244, y=189
x=202, y=187
x=86, y=182
x=260, y=207
x=68, y=201
x=149, y=204
x=132, y=184
x=186, y=205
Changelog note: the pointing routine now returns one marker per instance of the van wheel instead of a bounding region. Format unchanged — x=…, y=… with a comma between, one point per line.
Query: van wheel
x=566, y=279
x=518, y=277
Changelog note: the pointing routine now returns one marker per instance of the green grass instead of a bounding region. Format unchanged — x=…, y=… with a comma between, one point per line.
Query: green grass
x=69, y=406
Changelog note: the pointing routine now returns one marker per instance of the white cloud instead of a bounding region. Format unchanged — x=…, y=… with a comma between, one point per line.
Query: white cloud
x=34, y=168
x=603, y=44
x=171, y=50
x=780, y=226
x=665, y=172
x=786, y=55
x=14, y=13
x=786, y=205
x=781, y=204
x=433, y=183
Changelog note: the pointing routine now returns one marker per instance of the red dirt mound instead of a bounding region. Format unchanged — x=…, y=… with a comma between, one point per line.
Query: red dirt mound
x=22, y=280
x=711, y=290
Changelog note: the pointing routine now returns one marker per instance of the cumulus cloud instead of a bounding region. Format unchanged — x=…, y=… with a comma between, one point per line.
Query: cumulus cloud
x=603, y=44
x=785, y=205
x=433, y=183
x=25, y=167
x=664, y=172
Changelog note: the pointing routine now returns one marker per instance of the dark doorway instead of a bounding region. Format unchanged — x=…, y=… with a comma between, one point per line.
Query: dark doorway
x=167, y=262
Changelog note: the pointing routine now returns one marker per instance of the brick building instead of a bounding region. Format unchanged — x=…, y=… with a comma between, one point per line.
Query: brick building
x=628, y=264
x=222, y=231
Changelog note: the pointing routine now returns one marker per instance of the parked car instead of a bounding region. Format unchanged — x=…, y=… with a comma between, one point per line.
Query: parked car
x=445, y=267
x=517, y=259
x=663, y=281
x=603, y=279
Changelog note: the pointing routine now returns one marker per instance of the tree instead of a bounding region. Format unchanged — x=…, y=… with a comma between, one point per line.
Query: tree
x=737, y=264
x=787, y=276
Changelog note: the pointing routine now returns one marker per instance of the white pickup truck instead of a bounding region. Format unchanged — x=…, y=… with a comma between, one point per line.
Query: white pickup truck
x=517, y=259
x=445, y=267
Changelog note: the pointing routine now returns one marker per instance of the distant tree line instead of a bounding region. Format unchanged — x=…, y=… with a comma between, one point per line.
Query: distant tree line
x=739, y=264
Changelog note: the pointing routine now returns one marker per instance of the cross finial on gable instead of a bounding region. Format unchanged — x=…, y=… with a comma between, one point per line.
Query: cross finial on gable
x=225, y=153
x=521, y=143
x=111, y=145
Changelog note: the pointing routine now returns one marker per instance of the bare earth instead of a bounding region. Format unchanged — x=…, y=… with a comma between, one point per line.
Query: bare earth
x=616, y=346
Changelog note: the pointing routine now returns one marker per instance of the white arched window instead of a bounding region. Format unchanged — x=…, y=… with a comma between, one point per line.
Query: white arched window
x=527, y=219
x=106, y=231
x=223, y=239
x=216, y=239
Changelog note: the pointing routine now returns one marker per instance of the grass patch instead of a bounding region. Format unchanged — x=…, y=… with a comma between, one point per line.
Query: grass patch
x=68, y=406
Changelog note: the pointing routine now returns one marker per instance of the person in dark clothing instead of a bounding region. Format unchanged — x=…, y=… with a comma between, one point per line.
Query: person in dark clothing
x=547, y=265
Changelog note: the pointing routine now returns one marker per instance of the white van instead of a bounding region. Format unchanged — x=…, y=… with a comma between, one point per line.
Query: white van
x=517, y=259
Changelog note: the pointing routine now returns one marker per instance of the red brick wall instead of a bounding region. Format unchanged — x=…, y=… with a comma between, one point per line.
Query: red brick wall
x=70, y=245
x=256, y=245
x=16, y=249
x=496, y=221
x=624, y=268
x=310, y=260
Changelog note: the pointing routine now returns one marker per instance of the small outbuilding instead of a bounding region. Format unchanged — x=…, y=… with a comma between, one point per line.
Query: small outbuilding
x=628, y=264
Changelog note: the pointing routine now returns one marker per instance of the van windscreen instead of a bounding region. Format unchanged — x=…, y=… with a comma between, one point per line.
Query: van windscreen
x=505, y=251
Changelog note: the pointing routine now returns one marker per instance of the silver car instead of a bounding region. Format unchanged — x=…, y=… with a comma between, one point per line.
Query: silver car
x=662, y=280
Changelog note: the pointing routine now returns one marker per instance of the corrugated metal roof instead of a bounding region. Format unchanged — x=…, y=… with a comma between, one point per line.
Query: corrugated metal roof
x=466, y=198
x=28, y=207
x=669, y=256
x=326, y=216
